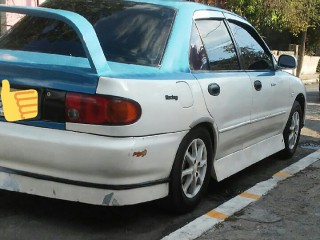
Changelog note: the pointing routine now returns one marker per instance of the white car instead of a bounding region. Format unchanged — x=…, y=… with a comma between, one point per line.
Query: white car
x=142, y=100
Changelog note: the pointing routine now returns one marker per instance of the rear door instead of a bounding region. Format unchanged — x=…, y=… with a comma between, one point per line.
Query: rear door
x=270, y=92
x=227, y=90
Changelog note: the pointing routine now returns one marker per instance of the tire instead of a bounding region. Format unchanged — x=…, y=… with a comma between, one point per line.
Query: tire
x=190, y=173
x=291, y=133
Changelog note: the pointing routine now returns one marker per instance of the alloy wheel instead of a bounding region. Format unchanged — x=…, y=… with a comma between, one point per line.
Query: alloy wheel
x=294, y=130
x=194, y=168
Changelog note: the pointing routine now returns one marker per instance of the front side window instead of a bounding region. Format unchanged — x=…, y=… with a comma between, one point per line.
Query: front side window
x=253, y=54
x=129, y=32
x=219, y=46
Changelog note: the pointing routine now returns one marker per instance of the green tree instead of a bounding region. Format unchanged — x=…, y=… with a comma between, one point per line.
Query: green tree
x=297, y=16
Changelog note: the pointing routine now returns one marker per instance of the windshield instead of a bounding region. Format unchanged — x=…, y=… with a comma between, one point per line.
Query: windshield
x=128, y=32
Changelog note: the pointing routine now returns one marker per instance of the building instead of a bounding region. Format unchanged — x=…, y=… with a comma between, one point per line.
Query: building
x=9, y=19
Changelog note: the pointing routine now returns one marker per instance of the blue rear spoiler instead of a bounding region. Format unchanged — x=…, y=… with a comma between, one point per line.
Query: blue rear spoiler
x=79, y=24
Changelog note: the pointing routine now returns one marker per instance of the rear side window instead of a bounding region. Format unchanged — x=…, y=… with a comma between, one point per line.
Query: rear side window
x=197, y=57
x=219, y=46
x=129, y=32
x=253, y=55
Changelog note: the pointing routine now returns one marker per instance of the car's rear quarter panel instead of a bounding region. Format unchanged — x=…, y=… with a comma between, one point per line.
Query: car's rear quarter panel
x=159, y=114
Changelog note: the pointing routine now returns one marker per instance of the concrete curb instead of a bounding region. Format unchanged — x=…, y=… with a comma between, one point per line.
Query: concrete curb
x=207, y=221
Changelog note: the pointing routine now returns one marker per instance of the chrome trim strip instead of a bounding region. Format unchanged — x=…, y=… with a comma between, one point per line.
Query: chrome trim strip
x=234, y=127
x=269, y=116
x=206, y=14
x=230, y=16
x=253, y=121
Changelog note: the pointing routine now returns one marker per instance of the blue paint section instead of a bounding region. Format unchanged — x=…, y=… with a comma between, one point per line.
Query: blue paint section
x=82, y=27
x=124, y=69
x=21, y=57
x=176, y=57
x=45, y=76
x=261, y=73
x=74, y=74
x=178, y=4
x=43, y=124
x=281, y=73
x=136, y=72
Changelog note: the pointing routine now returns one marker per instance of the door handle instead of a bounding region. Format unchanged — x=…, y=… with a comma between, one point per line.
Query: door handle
x=214, y=89
x=258, y=85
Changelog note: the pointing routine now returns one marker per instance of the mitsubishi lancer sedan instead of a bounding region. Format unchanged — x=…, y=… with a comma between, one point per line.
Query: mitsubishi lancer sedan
x=139, y=100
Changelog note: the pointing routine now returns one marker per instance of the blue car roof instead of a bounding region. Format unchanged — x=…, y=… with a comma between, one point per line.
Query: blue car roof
x=177, y=4
x=175, y=59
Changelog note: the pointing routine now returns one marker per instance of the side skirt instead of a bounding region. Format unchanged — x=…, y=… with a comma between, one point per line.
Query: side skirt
x=233, y=163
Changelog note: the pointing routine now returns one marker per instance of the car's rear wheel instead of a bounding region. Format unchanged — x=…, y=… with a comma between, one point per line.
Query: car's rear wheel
x=191, y=170
x=292, y=131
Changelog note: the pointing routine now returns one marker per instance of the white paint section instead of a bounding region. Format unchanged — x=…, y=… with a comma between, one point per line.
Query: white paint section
x=240, y=160
x=74, y=193
x=85, y=157
x=159, y=114
x=205, y=223
x=184, y=94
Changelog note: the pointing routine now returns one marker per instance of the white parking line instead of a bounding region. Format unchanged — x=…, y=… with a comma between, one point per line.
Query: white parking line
x=207, y=221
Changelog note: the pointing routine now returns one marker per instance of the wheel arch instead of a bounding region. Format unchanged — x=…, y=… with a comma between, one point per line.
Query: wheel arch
x=302, y=101
x=210, y=126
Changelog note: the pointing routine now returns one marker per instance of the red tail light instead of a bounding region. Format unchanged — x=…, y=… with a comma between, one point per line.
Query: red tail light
x=104, y=110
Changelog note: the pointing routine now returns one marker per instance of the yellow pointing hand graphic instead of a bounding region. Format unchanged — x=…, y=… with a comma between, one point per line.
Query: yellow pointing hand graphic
x=18, y=105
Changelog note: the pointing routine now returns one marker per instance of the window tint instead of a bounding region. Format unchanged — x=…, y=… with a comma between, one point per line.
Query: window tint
x=129, y=32
x=253, y=55
x=198, y=56
x=219, y=46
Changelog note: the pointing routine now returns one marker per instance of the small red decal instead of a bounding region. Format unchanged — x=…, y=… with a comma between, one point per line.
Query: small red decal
x=140, y=154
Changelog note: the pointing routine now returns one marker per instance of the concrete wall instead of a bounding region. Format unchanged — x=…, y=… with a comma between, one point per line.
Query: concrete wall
x=310, y=65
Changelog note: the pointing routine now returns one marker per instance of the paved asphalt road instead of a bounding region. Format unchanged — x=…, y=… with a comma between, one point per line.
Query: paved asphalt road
x=289, y=211
x=30, y=217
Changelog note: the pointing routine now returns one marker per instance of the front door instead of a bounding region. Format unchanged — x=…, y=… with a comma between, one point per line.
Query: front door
x=269, y=104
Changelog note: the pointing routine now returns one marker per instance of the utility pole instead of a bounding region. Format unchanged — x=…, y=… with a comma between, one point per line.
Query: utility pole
x=3, y=20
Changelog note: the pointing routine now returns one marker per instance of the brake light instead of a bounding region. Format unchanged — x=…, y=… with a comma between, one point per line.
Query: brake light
x=105, y=110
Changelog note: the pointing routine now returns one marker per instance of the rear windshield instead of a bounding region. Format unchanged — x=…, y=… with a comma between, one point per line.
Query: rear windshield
x=129, y=32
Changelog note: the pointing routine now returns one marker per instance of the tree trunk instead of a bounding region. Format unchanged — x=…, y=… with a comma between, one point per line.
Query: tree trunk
x=302, y=51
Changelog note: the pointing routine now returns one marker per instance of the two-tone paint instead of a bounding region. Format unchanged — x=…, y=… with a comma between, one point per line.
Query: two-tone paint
x=98, y=164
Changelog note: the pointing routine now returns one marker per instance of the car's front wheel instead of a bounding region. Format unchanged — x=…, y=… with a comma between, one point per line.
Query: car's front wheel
x=291, y=133
x=191, y=170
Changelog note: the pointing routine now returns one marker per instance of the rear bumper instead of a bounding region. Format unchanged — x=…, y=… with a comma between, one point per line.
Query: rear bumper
x=90, y=195
x=65, y=165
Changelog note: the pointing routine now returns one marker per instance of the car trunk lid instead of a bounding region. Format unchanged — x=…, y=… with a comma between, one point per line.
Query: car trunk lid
x=54, y=74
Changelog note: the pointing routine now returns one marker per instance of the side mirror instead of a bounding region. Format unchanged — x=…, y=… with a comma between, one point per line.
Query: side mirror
x=287, y=62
